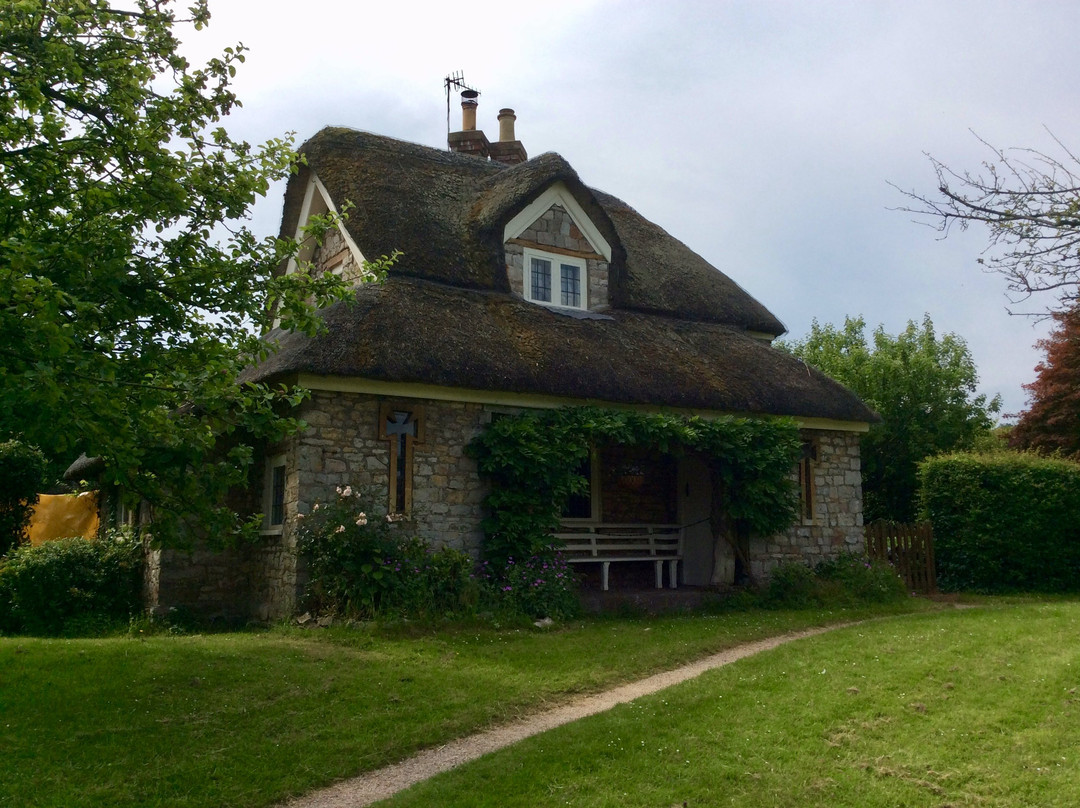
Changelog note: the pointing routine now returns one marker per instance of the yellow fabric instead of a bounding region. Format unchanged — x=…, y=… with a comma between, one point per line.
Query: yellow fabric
x=57, y=516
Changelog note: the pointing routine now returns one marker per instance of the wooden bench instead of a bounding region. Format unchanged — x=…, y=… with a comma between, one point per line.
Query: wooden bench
x=606, y=544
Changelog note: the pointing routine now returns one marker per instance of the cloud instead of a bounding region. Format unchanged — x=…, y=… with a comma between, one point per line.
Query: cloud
x=763, y=134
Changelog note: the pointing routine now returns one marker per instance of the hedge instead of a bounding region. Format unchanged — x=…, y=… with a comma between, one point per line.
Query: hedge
x=1003, y=522
x=71, y=586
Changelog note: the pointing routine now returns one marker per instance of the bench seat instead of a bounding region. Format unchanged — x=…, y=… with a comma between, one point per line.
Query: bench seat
x=606, y=544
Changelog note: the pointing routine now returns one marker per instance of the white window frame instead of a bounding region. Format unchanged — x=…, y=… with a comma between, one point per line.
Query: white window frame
x=126, y=516
x=557, y=260
x=275, y=462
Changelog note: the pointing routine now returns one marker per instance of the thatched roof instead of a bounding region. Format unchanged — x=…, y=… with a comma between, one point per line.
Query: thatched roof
x=446, y=212
x=409, y=330
x=85, y=468
x=676, y=333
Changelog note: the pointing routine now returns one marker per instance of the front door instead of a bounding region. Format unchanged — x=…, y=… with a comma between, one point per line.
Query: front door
x=695, y=505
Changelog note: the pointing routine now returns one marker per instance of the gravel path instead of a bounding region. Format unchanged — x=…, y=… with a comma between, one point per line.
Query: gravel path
x=382, y=783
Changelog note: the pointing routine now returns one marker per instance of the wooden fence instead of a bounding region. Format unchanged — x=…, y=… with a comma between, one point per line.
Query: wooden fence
x=909, y=548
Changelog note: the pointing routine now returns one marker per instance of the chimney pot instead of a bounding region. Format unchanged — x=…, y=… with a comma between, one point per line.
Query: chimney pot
x=506, y=125
x=468, y=111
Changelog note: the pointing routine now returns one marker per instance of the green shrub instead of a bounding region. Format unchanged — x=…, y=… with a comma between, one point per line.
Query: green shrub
x=362, y=566
x=22, y=476
x=540, y=586
x=1003, y=522
x=792, y=585
x=71, y=586
x=846, y=580
x=862, y=579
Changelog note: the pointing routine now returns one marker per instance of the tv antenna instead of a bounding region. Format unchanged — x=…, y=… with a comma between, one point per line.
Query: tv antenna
x=457, y=81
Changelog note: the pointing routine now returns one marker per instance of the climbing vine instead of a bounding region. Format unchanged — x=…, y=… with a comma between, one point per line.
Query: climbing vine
x=532, y=459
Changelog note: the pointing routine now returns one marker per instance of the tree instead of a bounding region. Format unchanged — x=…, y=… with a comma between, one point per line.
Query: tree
x=22, y=472
x=124, y=318
x=1051, y=423
x=1030, y=203
x=923, y=388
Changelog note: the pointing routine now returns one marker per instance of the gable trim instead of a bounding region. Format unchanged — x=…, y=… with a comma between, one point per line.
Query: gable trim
x=557, y=193
x=496, y=398
x=317, y=201
x=549, y=248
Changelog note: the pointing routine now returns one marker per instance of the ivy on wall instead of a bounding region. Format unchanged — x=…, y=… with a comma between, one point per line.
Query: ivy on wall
x=532, y=459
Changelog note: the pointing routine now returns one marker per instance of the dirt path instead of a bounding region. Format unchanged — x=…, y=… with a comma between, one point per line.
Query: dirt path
x=382, y=783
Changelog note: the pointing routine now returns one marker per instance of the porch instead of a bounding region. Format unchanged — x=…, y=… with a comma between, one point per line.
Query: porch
x=645, y=520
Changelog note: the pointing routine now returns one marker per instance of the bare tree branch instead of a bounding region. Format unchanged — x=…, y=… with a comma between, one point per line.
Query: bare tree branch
x=1029, y=201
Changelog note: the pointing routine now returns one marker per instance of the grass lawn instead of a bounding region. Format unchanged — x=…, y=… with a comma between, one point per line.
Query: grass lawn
x=247, y=719
x=975, y=707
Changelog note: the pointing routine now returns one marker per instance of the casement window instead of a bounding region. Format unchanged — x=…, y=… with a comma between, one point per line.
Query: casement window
x=555, y=280
x=402, y=426
x=585, y=507
x=126, y=514
x=807, y=489
x=274, y=495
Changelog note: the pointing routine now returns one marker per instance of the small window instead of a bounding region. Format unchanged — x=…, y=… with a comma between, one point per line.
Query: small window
x=126, y=514
x=402, y=427
x=540, y=280
x=555, y=280
x=571, y=285
x=336, y=265
x=807, y=489
x=274, y=495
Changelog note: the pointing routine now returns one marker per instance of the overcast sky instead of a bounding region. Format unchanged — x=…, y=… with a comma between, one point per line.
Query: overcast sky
x=762, y=134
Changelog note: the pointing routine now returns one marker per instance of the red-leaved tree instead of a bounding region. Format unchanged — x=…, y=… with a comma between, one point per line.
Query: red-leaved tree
x=1052, y=420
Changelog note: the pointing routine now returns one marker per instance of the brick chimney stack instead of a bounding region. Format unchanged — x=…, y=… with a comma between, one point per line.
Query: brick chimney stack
x=469, y=140
x=472, y=141
x=509, y=149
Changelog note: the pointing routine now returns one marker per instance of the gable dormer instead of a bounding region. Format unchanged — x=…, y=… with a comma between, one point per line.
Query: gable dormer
x=336, y=251
x=555, y=254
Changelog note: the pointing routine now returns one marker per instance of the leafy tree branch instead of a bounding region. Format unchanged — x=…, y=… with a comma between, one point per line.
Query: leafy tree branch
x=131, y=294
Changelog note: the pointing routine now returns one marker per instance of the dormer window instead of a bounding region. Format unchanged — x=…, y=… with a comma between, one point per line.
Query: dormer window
x=555, y=280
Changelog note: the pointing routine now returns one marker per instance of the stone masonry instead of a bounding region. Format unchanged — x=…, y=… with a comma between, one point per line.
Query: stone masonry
x=342, y=447
x=335, y=254
x=838, y=521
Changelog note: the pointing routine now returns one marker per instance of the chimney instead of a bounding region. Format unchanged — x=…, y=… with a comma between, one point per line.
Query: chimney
x=469, y=140
x=506, y=125
x=509, y=149
x=468, y=110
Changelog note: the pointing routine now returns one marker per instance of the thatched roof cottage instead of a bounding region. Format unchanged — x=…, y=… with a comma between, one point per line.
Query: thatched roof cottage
x=519, y=286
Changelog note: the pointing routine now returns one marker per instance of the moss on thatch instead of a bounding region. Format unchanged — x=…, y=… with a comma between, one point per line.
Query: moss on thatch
x=676, y=334
x=445, y=212
x=409, y=330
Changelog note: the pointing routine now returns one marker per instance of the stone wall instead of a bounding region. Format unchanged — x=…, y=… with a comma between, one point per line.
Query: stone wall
x=275, y=577
x=252, y=582
x=214, y=585
x=334, y=253
x=556, y=228
x=342, y=446
x=838, y=522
